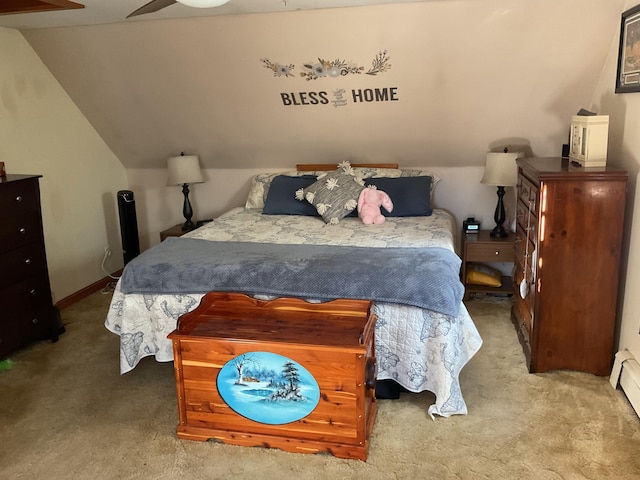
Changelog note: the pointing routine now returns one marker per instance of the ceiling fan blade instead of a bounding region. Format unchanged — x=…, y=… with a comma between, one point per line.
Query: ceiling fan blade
x=152, y=6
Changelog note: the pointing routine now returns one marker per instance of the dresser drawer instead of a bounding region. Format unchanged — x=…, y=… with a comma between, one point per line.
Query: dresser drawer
x=523, y=271
x=524, y=245
x=527, y=219
x=27, y=313
x=19, y=198
x=528, y=193
x=489, y=252
x=21, y=263
x=18, y=231
x=11, y=338
x=28, y=295
x=525, y=317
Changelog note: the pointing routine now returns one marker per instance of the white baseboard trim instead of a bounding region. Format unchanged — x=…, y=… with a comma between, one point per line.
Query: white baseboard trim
x=626, y=371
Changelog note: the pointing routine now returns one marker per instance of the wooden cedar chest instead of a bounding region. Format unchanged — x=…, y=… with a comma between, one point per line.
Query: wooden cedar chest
x=319, y=396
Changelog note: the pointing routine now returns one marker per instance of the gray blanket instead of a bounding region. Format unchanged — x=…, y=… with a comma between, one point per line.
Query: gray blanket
x=422, y=277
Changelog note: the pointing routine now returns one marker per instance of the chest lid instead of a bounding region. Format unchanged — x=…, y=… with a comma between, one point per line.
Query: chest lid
x=235, y=316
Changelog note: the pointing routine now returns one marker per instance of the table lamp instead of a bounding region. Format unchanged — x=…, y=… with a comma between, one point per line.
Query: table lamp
x=500, y=170
x=185, y=170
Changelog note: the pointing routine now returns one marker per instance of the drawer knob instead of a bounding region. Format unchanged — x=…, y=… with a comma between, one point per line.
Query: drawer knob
x=23, y=230
x=497, y=253
x=19, y=198
x=34, y=321
x=32, y=291
x=28, y=261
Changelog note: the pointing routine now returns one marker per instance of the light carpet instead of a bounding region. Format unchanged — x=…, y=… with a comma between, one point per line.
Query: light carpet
x=67, y=413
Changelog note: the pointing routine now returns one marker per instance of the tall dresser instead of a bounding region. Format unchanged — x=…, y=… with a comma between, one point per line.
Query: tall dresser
x=568, y=241
x=27, y=312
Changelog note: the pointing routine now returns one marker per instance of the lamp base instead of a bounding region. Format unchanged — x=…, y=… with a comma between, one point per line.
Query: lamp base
x=187, y=212
x=499, y=232
x=499, y=216
x=188, y=226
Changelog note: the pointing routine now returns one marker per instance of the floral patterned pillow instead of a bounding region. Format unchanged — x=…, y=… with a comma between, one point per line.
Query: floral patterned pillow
x=259, y=189
x=335, y=194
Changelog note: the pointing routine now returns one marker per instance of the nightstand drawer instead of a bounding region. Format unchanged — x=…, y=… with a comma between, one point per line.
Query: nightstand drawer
x=489, y=252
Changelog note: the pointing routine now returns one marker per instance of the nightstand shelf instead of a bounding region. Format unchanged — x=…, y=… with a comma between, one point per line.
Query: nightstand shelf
x=483, y=248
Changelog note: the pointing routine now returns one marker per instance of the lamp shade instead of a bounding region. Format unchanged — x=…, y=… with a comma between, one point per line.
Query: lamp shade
x=501, y=169
x=203, y=3
x=184, y=169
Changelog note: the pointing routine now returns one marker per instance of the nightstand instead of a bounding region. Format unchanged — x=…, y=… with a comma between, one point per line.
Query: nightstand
x=175, y=231
x=483, y=248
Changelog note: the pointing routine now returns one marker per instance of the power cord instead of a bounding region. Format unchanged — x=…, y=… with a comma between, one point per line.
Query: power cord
x=111, y=286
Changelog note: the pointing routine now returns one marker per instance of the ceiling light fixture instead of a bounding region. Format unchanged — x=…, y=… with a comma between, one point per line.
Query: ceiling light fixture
x=155, y=5
x=203, y=3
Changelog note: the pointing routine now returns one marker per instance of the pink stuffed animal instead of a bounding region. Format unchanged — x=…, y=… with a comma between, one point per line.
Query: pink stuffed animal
x=369, y=203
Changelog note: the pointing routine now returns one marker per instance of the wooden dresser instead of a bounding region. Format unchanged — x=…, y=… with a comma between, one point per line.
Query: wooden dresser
x=25, y=294
x=568, y=241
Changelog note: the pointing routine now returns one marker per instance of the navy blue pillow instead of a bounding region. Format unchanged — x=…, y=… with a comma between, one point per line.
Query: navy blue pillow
x=410, y=195
x=281, y=199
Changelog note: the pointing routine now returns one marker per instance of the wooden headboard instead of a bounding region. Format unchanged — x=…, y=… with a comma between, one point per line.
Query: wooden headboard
x=318, y=167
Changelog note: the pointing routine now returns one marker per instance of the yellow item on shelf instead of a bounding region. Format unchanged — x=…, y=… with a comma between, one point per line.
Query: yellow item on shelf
x=478, y=274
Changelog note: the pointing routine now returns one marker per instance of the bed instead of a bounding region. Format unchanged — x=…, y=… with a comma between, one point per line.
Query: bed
x=418, y=348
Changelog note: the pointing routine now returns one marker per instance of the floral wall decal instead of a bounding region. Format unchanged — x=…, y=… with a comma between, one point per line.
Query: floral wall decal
x=278, y=69
x=326, y=68
x=380, y=64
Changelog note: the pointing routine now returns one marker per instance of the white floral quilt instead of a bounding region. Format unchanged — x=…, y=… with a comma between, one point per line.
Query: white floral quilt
x=420, y=349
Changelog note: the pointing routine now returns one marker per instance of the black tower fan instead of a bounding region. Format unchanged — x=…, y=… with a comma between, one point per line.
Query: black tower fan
x=128, y=225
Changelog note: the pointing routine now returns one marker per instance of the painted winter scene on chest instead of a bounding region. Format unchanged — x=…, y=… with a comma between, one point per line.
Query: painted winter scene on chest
x=268, y=388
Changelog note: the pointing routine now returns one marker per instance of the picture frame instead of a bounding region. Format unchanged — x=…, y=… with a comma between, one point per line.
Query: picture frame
x=628, y=73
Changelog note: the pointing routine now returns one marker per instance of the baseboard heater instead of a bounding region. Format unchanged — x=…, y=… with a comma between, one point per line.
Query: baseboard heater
x=626, y=371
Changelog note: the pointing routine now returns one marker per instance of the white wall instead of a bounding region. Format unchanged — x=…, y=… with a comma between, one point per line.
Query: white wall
x=624, y=151
x=468, y=73
x=43, y=132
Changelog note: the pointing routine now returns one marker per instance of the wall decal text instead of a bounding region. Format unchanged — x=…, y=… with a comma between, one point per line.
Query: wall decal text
x=340, y=97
